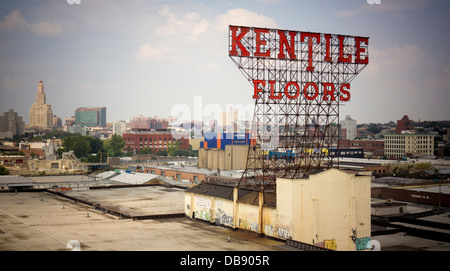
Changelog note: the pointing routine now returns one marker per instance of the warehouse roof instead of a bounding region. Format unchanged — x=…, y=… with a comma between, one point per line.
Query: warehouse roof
x=245, y=195
x=15, y=181
x=133, y=178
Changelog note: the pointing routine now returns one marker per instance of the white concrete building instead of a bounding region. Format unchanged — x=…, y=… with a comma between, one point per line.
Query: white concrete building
x=119, y=127
x=349, y=125
x=405, y=144
x=330, y=209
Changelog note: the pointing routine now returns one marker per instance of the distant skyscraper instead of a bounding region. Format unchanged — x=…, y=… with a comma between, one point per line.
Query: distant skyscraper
x=349, y=125
x=91, y=116
x=41, y=115
x=11, y=124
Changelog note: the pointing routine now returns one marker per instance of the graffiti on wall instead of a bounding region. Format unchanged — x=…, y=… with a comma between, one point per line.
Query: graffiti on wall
x=247, y=225
x=279, y=231
x=203, y=214
x=328, y=244
x=222, y=218
x=362, y=243
x=203, y=208
x=283, y=232
x=268, y=230
x=203, y=202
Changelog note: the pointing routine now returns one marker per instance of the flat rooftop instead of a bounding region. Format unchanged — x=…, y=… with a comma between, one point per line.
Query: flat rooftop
x=42, y=221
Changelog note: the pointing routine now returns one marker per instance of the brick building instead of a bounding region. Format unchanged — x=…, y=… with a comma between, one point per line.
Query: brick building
x=372, y=148
x=176, y=174
x=404, y=124
x=136, y=140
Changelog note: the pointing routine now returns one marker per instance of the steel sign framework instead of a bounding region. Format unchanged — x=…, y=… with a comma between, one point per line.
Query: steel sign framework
x=299, y=79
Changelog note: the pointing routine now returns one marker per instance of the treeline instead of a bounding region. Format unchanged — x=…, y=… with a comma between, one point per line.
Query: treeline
x=95, y=150
x=92, y=149
x=173, y=150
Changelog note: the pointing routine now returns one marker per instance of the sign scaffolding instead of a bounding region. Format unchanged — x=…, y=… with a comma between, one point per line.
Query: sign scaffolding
x=299, y=80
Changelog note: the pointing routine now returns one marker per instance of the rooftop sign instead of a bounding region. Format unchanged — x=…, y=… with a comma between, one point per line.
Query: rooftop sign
x=313, y=52
x=298, y=80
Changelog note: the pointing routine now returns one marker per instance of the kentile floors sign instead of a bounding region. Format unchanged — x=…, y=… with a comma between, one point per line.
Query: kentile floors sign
x=298, y=80
x=313, y=50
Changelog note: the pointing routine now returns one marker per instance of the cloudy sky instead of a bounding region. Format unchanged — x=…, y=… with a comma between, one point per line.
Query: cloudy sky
x=139, y=57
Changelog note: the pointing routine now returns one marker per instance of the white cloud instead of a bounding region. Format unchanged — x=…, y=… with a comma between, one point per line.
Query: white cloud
x=182, y=37
x=244, y=17
x=46, y=29
x=395, y=60
x=149, y=53
x=186, y=28
x=160, y=52
x=15, y=21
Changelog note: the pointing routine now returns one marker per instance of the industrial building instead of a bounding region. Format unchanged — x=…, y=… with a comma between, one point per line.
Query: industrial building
x=328, y=209
x=408, y=144
x=138, y=139
x=224, y=151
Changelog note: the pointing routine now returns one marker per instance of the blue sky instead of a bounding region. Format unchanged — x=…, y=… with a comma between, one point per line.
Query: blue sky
x=139, y=57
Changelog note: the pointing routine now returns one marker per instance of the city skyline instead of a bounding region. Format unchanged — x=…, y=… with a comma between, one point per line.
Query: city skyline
x=144, y=57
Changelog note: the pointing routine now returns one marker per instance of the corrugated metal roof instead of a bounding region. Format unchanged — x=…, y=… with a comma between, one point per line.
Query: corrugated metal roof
x=226, y=192
x=107, y=174
x=133, y=178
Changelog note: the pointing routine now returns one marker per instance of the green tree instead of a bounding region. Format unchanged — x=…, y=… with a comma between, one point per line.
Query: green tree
x=80, y=145
x=99, y=157
x=96, y=144
x=114, y=146
x=173, y=148
x=146, y=150
x=4, y=170
x=59, y=152
x=374, y=128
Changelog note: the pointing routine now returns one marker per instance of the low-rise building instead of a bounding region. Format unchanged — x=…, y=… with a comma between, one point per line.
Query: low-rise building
x=330, y=209
x=224, y=151
x=136, y=140
x=408, y=144
x=372, y=148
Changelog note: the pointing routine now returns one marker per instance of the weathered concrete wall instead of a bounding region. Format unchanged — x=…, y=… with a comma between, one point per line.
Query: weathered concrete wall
x=331, y=209
x=211, y=209
x=248, y=216
x=234, y=157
